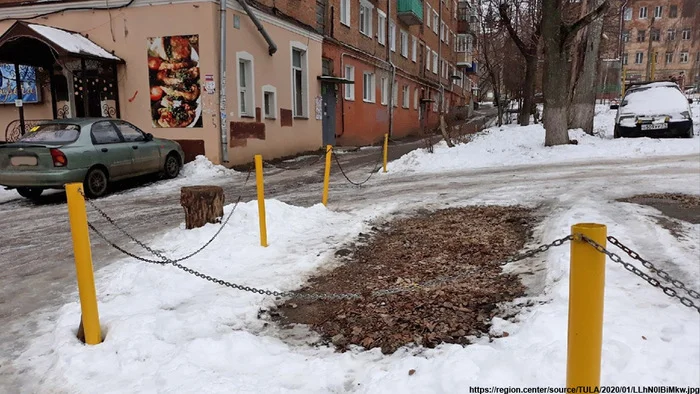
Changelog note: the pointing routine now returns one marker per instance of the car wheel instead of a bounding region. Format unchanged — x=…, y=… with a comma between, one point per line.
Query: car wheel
x=691, y=132
x=96, y=183
x=172, y=166
x=30, y=192
x=616, y=132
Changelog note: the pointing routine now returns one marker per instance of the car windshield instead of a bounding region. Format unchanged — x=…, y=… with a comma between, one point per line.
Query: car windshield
x=654, y=100
x=52, y=133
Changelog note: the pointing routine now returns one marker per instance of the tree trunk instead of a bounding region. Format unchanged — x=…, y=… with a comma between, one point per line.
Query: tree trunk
x=443, y=130
x=202, y=204
x=556, y=78
x=582, y=109
x=529, y=90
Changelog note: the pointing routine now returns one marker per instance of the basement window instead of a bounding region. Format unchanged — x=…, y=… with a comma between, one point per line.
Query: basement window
x=269, y=101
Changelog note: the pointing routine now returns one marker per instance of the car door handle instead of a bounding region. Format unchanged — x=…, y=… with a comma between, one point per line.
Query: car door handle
x=134, y=147
x=105, y=150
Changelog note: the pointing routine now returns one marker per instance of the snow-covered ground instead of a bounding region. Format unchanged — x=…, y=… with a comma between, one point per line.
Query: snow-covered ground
x=511, y=145
x=7, y=195
x=168, y=331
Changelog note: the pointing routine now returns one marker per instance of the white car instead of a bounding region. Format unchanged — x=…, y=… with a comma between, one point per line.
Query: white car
x=654, y=109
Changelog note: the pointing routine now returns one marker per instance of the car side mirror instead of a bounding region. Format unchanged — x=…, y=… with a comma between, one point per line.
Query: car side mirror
x=690, y=101
x=614, y=106
x=149, y=137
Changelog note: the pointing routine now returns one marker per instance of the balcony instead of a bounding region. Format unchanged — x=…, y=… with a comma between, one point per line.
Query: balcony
x=410, y=12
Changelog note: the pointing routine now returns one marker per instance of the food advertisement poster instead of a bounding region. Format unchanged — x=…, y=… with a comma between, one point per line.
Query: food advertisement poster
x=174, y=82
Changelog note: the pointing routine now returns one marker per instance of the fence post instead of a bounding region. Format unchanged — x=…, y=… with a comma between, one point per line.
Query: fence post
x=77, y=215
x=386, y=149
x=327, y=174
x=261, y=200
x=586, y=294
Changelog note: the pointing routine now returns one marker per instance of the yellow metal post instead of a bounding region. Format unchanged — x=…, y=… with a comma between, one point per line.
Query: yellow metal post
x=586, y=290
x=327, y=174
x=261, y=200
x=386, y=149
x=83, y=263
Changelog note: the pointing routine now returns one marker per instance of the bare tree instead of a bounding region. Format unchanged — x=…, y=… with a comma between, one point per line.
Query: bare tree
x=491, y=51
x=557, y=36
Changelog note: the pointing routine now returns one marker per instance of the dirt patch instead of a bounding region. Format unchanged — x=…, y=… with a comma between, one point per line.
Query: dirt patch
x=677, y=206
x=461, y=241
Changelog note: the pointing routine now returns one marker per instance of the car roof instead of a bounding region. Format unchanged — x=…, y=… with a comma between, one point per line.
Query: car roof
x=658, y=84
x=78, y=121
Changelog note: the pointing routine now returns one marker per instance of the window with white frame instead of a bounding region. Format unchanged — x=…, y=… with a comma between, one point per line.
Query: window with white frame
x=269, y=101
x=639, y=58
x=414, y=48
x=435, y=62
x=384, y=90
x=443, y=31
x=366, y=18
x=461, y=43
x=436, y=22
x=669, y=57
x=416, y=98
x=684, y=57
x=368, y=87
x=428, y=12
x=395, y=93
x=246, y=84
x=686, y=34
x=345, y=12
x=381, y=27
x=406, y=96
x=404, y=44
x=628, y=14
x=427, y=58
x=392, y=36
x=350, y=87
x=642, y=12
x=299, y=80
x=658, y=11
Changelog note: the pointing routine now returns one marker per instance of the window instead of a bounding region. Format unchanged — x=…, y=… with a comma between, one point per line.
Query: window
x=673, y=12
x=427, y=58
x=443, y=31
x=392, y=36
x=639, y=58
x=395, y=93
x=671, y=34
x=461, y=43
x=415, y=98
x=345, y=12
x=658, y=11
x=269, y=102
x=381, y=27
x=625, y=58
x=404, y=43
x=642, y=12
x=626, y=36
x=655, y=34
x=669, y=57
x=435, y=62
x=368, y=89
x=246, y=85
x=641, y=35
x=299, y=81
x=366, y=18
x=350, y=87
x=428, y=11
x=414, y=48
x=104, y=133
x=384, y=89
x=628, y=14
x=684, y=57
x=129, y=132
x=454, y=10
x=436, y=22
x=686, y=34
x=406, y=97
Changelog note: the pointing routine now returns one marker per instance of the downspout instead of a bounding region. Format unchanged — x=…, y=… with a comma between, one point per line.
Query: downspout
x=442, y=89
x=620, y=42
x=272, y=48
x=222, y=82
x=393, y=67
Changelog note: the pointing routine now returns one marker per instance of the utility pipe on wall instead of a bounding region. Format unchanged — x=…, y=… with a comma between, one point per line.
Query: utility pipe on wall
x=222, y=82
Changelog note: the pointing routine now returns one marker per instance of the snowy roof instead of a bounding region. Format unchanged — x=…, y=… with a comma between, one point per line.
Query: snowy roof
x=72, y=42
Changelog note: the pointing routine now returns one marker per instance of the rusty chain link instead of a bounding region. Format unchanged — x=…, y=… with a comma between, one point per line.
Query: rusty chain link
x=631, y=268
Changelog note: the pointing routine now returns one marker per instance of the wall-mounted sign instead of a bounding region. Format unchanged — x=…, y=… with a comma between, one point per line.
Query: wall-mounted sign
x=209, y=85
x=8, y=86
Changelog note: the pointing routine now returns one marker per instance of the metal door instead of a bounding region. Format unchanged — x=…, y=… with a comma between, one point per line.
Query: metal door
x=328, y=96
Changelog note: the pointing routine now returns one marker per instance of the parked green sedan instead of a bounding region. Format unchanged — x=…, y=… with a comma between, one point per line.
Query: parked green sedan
x=95, y=151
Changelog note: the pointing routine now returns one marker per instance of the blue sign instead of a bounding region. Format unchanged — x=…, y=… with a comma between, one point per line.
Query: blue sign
x=8, y=85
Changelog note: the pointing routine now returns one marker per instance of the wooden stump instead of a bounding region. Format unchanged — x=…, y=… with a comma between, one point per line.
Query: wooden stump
x=202, y=204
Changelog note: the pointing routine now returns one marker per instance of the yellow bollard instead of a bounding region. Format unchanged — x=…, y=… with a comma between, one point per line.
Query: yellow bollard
x=586, y=293
x=261, y=200
x=83, y=263
x=327, y=174
x=386, y=149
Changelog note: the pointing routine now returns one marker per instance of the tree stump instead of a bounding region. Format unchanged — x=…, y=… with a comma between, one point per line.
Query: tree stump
x=202, y=204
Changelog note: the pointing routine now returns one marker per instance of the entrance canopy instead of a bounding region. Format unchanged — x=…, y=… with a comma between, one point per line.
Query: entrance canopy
x=26, y=43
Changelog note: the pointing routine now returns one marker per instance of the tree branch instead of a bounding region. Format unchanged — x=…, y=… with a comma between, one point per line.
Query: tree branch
x=503, y=11
x=571, y=30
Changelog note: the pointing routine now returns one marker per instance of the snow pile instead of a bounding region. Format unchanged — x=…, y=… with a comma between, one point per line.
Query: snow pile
x=514, y=145
x=7, y=195
x=604, y=121
x=660, y=98
x=202, y=167
x=71, y=41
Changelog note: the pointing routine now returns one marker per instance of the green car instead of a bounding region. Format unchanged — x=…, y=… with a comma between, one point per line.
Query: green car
x=94, y=151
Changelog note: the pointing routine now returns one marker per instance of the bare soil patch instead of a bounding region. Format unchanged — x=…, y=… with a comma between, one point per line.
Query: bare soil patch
x=677, y=206
x=460, y=241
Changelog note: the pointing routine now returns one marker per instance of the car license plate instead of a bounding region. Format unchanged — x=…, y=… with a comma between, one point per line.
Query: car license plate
x=654, y=126
x=23, y=161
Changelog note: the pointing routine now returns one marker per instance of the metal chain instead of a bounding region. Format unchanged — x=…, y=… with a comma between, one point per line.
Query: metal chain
x=164, y=259
x=316, y=160
x=648, y=265
x=631, y=268
x=376, y=168
x=541, y=249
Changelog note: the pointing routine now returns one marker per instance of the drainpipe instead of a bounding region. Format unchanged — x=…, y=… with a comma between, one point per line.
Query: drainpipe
x=442, y=89
x=222, y=82
x=620, y=43
x=272, y=48
x=393, y=67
